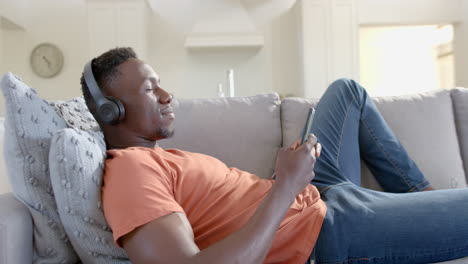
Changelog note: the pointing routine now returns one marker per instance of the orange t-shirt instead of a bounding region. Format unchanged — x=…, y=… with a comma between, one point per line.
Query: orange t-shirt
x=143, y=184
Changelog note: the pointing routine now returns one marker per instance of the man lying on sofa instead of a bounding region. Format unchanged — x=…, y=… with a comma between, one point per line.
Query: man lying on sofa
x=173, y=206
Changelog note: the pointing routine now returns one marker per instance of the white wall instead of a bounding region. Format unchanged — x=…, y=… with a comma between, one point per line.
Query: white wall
x=286, y=55
x=52, y=22
x=1, y=49
x=461, y=48
x=196, y=73
x=13, y=10
x=65, y=27
x=404, y=12
x=188, y=73
x=193, y=74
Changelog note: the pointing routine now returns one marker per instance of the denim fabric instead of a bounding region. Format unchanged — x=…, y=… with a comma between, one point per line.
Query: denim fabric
x=400, y=225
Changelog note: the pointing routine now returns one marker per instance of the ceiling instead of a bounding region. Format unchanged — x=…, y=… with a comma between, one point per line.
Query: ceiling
x=250, y=13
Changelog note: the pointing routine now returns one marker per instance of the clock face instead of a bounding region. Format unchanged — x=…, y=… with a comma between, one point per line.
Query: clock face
x=46, y=60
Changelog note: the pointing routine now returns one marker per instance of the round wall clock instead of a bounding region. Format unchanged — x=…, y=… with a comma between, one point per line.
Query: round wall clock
x=46, y=60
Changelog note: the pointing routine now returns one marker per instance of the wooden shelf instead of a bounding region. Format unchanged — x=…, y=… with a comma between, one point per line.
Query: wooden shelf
x=203, y=41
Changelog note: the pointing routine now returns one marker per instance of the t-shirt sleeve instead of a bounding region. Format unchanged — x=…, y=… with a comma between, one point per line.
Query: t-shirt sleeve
x=137, y=189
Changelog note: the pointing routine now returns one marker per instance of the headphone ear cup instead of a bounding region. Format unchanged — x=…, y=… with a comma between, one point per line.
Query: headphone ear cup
x=112, y=111
x=118, y=108
x=108, y=112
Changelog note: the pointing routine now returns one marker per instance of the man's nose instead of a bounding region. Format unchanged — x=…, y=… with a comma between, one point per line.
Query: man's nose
x=165, y=97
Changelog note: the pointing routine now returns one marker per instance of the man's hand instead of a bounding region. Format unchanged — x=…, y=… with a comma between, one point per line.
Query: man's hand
x=318, y=146
x=295, y=165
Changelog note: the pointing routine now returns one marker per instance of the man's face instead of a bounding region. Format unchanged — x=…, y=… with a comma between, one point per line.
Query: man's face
x=148, y=111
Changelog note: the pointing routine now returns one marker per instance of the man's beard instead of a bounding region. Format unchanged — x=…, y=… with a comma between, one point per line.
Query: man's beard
x=166, y=132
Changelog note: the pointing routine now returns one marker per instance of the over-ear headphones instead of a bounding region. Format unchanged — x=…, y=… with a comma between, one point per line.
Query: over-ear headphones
x=108, y=109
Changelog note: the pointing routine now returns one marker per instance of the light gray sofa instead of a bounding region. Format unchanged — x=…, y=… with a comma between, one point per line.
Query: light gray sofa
x=246, y=132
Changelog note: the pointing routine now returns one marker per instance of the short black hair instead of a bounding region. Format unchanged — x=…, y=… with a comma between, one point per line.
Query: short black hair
x=105, y=71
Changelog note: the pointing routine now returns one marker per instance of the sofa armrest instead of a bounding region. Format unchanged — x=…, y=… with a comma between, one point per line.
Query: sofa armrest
x=16, y=231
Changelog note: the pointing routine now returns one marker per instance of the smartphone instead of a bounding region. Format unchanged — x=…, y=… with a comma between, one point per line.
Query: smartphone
x=305, y=132
x=308, y=125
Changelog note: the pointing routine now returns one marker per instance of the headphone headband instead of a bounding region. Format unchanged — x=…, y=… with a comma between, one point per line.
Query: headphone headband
x=93, y=87
x=108, y=109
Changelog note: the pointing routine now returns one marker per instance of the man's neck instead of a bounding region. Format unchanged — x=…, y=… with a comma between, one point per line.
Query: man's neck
x=120, y=139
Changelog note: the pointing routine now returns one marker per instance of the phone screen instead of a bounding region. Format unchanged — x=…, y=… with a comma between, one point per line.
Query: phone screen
x=308, y=125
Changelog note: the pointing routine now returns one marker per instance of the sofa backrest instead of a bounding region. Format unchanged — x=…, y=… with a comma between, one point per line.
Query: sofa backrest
x=424, y=123
x=460, y=106
x=243, y=132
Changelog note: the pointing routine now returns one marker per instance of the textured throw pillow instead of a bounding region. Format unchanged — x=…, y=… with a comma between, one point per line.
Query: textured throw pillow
x=75, y=113
x=29, y=126
x=76, y=165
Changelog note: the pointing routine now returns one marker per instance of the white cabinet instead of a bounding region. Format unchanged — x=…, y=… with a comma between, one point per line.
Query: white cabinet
x=1, y=50
x=117, y=24
x=329, y=44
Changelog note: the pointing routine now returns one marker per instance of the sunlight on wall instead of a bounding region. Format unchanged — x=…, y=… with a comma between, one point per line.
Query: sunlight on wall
x=406, y=59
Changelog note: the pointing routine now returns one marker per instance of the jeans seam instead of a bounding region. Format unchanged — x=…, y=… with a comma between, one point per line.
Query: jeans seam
x=348, y=260
x=341, y=134
x=335, y=185
x=416, y=187
x=395, y=166
x=387, y=156
x=398, y=169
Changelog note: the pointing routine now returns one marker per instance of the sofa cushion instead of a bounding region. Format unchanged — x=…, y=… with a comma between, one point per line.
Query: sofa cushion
x=76, y=161
x=417, y=120
x=425, y=125
x=460, y=105
x=294, y=113
x=29, y=126
x=16, y=228
x=243, y=132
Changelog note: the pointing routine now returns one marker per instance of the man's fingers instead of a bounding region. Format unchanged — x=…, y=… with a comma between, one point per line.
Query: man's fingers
x=295, y=145
x=310, y=145
x=313, y=146
x=318, y=149
x=310, y=142
x=312, y=139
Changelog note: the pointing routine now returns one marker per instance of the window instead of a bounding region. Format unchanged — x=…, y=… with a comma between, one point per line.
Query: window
x=396, y=60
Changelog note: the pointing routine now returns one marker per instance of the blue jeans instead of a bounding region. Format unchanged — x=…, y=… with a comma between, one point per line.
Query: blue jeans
x=400, y=225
